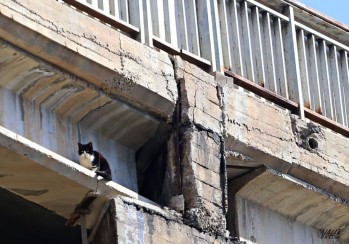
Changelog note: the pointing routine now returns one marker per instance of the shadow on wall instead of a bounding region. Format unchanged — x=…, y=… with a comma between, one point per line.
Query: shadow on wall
x=25, y=222
x=57, y=112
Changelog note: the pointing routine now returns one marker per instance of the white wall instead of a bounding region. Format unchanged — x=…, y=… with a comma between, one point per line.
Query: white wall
x=257, y=224
x=60, y=135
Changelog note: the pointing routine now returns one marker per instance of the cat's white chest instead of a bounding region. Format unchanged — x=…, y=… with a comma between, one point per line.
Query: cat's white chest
x=86, y=161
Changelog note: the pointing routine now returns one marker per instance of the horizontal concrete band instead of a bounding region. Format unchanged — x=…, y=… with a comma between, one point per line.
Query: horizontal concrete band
x=51, y=180
x=101, y=62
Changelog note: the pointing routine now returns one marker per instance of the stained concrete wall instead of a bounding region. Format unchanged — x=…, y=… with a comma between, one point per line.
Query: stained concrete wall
x=60, y=134
x=213, y=119
x=257, y=224
x=275, y=137
x=129, y=221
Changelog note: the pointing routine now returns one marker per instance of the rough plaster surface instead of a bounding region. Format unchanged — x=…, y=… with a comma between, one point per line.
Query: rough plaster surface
x=275, y=137
x=296, y=200
x=48, y=179
x=203, y=176
x=93, y=51
x=137, y=223
x=261, y=225
x=215, y=118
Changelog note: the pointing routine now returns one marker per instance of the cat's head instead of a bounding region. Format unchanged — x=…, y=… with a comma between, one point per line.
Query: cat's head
x=85, y=148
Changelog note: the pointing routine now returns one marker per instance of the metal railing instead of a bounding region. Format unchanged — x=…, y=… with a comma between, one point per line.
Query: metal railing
x=247, y=38
x=324, y=70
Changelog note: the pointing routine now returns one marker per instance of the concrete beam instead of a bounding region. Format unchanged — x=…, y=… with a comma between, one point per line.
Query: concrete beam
x=93, y=51
x=271, y=135
x=129, y=221
x=50, y=180
x=296, y=200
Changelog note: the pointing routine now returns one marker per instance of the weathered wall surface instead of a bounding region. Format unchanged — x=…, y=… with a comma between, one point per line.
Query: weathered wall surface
x=203, y=169
x=93, y=51
x=269, y=134
x=60, y=135
x=261, y=225
x=58, y=109
x=136, y=88
x=138, y=224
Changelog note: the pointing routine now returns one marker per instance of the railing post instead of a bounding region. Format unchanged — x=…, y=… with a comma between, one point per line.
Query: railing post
x=217, y=38
x=136, y=12
x=147, y=31
x=209, y=32
x=293, y=71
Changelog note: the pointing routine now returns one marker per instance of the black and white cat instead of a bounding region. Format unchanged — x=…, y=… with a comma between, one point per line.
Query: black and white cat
x=94, y=161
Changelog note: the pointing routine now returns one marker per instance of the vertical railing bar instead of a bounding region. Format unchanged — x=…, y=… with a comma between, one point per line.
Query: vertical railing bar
x=137, y=14
x=280, y=53
x=161, y=19
x=303, y=63
x=325, y=80
x=181, y=20
x=222, y=9
x=234, y=35
x=293, y=74
x=258, y=45
x=335, y=81
x=116, y=8
x=193, y=34
x=170, y=22
x=100, y=5
x=173, y=24
x=111, y=7
x=269, y=53
x=127, y=11
x=345, y=80
x=247, y=47
x=206, y=31
x=147, y=21
x=94, y=4
x=124, y=10
x=106, y=7
x=314, y=75
x=217, y=39
x=167, y=24
x=322, y=36
x=157, y=10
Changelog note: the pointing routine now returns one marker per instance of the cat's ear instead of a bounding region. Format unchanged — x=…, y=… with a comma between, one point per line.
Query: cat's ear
x=80, y=145
x=90, y=145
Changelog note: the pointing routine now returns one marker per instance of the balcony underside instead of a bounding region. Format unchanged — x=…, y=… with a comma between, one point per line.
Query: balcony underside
x=296, y=200
x=33, y=93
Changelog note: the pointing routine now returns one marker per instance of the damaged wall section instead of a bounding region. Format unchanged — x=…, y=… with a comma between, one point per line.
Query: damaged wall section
x=131, y=222
x=201, y=149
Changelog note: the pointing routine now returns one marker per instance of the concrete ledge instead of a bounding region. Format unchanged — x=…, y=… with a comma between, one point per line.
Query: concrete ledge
x=272, y=136
x=294, y=199
x=125, y=221
x=50, y=180
x=122, y=67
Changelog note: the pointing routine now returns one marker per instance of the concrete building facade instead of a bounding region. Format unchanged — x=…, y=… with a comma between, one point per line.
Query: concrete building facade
x=227, y=142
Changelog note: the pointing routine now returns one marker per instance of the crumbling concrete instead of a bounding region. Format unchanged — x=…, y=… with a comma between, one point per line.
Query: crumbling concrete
x=136, y=222
x=281, y=141
x=122, y=67
x=201, y=158
x=174, y=123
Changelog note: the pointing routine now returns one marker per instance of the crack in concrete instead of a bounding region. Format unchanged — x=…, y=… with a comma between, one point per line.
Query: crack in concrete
x=259, y=130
